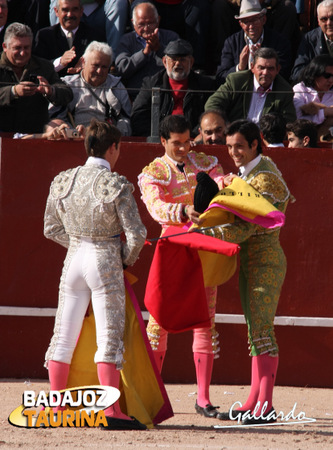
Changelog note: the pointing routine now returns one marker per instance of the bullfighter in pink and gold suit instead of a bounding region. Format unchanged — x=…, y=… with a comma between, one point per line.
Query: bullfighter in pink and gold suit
x=167, y=186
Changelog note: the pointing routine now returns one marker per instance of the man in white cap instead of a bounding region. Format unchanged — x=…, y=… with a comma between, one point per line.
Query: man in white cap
x=239, y=48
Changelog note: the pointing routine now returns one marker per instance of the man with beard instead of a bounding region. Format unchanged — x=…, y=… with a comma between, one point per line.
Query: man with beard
x=212, y=124
x=183, y=91
x=252, y=93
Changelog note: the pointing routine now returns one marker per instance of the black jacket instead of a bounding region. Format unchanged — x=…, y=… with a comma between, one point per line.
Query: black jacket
x=313, y=44
x=51, y=43
x=193, y=104
x=29, y=114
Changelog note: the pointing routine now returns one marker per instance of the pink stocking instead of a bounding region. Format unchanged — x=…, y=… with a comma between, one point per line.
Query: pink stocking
x=268, y=366
x=108, y=375
x=159, y=358
x=204, y=368
x=58, y=375
x=255, y=387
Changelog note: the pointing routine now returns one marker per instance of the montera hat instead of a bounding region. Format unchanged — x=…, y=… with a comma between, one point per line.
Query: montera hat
x=205, y=191
x=250, y=8
x=180, y=47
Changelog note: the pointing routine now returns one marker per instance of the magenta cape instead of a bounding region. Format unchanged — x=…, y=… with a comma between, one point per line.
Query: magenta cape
x=175, y=293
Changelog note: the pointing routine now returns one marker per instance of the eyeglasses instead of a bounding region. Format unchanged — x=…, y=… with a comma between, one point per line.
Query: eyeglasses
x=326, y=19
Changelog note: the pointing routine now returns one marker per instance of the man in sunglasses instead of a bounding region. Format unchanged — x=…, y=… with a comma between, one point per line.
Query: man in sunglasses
x=239, y=48
x=316, y=42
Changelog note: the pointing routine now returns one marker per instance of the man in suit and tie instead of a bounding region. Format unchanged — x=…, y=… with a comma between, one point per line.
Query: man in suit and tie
x=249, y=94
x=66, y=42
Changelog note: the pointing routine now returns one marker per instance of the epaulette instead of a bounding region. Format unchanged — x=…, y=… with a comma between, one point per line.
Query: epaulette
x=108, y=185
x=158, y=171
x=271, y=184
x=202, y=161
x=62, y=183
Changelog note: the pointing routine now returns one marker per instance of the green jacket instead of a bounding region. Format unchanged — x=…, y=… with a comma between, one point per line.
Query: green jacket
x=234, y=97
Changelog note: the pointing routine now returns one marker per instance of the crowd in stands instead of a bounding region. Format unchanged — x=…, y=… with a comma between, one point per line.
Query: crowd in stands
x=76, y=59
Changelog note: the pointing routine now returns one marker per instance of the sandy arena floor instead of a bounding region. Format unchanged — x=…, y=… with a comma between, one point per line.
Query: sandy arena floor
x=186, y=430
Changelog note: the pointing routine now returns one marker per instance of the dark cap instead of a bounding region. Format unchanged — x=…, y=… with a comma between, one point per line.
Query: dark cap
x=180, y=47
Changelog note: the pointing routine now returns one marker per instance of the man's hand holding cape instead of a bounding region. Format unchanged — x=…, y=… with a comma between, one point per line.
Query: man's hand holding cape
x=184, y=263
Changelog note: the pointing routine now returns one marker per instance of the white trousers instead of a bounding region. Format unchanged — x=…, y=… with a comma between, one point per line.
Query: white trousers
x=92, y=270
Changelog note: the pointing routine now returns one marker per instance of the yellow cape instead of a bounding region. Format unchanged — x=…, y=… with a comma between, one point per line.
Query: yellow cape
x=142, y=391
x=241, y=199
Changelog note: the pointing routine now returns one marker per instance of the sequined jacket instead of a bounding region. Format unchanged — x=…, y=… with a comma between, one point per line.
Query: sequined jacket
x=90, y=201
x=166, y=191
x=266, y=178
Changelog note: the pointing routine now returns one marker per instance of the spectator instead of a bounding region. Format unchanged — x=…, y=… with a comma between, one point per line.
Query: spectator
x=301, y=134
x=190, y=19
x=97, y=93
x=28, y=84
x=3, y=18
x=182, y=90
x=281, y=17
x=253, y=93
x=66, y=42
x=55, y=130
x=316, y=42
x=212, y=124
x=313, y=98
x=238, y=49
x=108, y=15
x=273, y=130
x=140, y=52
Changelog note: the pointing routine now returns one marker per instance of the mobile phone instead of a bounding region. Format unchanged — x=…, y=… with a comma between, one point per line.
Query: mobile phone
x=71, y=134
x=33, y=78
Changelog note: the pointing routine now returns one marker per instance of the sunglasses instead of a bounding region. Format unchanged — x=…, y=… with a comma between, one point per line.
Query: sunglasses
x=327, y=75
x=325, y=19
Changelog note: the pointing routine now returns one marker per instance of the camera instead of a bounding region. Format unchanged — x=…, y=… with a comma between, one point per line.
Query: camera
x=71, y=134
x=33, y=78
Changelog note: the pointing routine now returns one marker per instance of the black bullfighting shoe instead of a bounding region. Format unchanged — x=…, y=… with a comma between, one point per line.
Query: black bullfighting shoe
x=270, y=417
x=234, y=415
x=207, y=411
